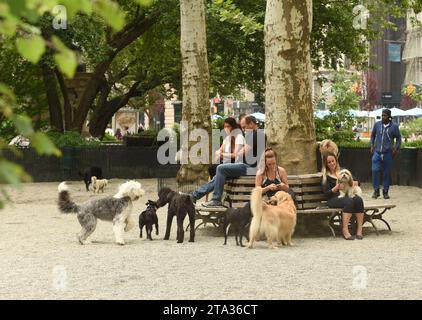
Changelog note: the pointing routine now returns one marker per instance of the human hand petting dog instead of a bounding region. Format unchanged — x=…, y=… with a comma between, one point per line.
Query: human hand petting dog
x=356, y=183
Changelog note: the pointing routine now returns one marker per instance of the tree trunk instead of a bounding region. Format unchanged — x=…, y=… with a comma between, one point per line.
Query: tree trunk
x=195, y=74
x=289, y=120
x=54, y=104
x=66, y=102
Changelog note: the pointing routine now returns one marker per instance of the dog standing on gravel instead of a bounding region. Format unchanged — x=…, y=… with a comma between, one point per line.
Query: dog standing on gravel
x=148, y=218
x=89, y=173
x=277, y=220
x=179, y=205
x=238, y=219
x=116, y=209
x=98, y=184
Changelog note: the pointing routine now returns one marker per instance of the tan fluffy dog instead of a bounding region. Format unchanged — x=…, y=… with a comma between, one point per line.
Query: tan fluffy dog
x=276, y=221
x=346, y=179
x=328, y=145
x=98, y=184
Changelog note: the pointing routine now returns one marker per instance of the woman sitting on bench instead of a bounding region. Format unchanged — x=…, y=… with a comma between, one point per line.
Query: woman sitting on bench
x=271, y=177
x=330, y=171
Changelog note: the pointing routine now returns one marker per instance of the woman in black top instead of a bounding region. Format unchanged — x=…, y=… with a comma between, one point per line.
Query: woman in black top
x=330, y=170
x=271, y=177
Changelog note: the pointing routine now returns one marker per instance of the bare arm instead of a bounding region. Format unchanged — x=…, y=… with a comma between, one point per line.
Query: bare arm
x=284, y=185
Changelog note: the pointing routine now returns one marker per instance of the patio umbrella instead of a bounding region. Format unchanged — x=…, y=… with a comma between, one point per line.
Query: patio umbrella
x=259, y=116
x=395, y=112
x=415, y=112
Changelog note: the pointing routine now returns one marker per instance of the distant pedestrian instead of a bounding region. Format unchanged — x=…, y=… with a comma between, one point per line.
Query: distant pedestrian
x=385, y=143
x=118, y=134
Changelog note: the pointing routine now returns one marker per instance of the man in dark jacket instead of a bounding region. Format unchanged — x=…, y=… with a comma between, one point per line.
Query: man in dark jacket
x=385, y=143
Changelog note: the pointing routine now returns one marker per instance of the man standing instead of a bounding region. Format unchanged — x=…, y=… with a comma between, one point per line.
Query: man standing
x=384, y=148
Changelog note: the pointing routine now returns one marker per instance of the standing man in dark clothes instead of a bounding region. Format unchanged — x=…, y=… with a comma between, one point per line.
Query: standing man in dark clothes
x=385, y=143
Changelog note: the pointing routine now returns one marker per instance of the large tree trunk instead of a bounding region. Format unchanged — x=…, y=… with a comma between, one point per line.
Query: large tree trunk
x=54, y=104
x=195, y=75
x=289, y=120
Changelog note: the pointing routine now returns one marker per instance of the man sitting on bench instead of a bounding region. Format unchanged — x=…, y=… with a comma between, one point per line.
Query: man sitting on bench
x=245, y=164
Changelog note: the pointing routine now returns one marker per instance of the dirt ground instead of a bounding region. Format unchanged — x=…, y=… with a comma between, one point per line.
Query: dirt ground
x=41, y=258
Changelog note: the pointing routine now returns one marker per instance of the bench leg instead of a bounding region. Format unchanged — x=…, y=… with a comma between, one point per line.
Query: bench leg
x=331, y=222
x=388, y=226
x=368, y=217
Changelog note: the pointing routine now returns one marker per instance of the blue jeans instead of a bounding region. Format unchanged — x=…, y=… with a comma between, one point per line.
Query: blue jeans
x=381, y=162
x=224, y=171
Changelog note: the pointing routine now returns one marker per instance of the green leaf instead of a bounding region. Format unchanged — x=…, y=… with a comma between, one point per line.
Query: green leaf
x=65, y=59
x=67, y=63
x=23, y=124
x=43, y=145
x=145, y=3
x=32, y=48
x=11, y=173
x=111, y=13
x=74, y=6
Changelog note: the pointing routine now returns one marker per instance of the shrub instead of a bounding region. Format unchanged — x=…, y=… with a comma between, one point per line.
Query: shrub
x=71, y=139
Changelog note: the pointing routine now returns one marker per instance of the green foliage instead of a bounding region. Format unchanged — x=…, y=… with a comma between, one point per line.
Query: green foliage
x=354, y=144
x=338, y=125
x=71, y=139
x=20, y=25
x=414, y=144
x=109, y=138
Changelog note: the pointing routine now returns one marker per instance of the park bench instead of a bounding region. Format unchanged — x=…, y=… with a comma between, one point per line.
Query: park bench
x=310, y=200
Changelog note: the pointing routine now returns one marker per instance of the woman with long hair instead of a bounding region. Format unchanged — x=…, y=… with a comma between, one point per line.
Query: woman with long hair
x=232, y=144
x=330, y=171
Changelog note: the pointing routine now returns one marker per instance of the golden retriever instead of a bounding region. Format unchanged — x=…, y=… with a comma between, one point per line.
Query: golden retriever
x=346, y=179
x=328, y=145
x=276, y=221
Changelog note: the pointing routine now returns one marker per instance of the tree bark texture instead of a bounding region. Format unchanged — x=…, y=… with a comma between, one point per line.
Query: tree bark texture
x=289, y=120
x=195, y=74
x=54, y=104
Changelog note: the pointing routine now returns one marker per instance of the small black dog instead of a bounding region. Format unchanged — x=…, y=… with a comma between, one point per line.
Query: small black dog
x=180, y=205
x=148, y=218
x=239, y=219
x=89, y=173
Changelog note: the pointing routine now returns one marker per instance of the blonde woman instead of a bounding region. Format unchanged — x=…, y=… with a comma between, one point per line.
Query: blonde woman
x=330, y=171
x=271, y=177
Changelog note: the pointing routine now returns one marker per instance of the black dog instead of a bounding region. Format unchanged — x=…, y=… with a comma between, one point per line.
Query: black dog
x=239, y=219
x=180, y=205
x=89, y=173
x=148, y=218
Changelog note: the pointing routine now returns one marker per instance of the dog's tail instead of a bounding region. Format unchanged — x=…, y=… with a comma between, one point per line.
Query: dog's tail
x=66, y=205
x=256, y=208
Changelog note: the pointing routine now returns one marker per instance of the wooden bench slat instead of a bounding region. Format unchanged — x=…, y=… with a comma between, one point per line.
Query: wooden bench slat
x=315, y=196
x=311, y=189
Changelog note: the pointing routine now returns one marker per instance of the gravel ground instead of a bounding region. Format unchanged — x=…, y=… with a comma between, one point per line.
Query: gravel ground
x=41, y=258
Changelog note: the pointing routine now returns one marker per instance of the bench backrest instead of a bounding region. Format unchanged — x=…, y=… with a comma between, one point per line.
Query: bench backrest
x=307, y=188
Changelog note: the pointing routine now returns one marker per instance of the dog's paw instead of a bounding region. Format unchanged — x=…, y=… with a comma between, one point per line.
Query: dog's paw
x=121, y=243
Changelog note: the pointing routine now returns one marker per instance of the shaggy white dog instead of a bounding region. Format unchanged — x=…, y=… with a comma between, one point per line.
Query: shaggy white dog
x=98, y=184
x=116, y=209
x=350, y=190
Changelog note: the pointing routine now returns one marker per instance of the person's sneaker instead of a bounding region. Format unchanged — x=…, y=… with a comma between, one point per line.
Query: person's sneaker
x=213, y=204
x=376, y=194
x=385, y=195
